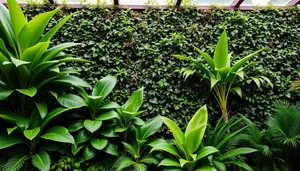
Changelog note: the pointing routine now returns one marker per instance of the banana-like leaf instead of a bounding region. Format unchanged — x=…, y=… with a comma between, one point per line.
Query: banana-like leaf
x=205, y=151
x=175, y=130
x=71, y=101
x=150, y=127
x=193, y=139
x=110, y=105
x=221, y=52
x=169, y=162
x=32, y=31
x=41, y=161
x=34, y=53
x=59, y=134
x=135, y=101
x=17, y=17
x=199, y=119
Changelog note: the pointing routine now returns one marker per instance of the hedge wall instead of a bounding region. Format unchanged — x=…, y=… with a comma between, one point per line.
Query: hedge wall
x=137, y=46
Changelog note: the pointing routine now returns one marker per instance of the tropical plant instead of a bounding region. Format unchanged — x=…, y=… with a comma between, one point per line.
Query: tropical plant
x=28, y=71
x=227, y=144
x=188, y=153
x=268, y=158
x=138, y=157
x=129, y=112
x=93, y=125
x=220, y=75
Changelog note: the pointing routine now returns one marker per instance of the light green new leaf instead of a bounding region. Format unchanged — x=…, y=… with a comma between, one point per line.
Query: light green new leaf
x=178, y=135
x=18, y=62
x=163, y=145
x=99, y=143
x=213, y=82
x=92, y=126
x=221, y=52
x=135, y=101
x=32, y=31
x=193, y=139
x=17, y=17
x=183, y=162
x=199, y=119
x=41, y=161
x=31, y=133
x=238, y=90
x=28, y=92
x=10, y=130
x=59, y=134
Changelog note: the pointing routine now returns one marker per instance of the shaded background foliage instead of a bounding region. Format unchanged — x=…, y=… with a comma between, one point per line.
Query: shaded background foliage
x=136, y=46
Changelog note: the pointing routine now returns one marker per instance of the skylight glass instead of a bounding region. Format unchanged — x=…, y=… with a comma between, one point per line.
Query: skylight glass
x=264, y=2
x=212, y=2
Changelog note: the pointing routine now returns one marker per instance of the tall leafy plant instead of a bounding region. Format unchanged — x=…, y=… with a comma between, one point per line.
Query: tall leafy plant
x=93, y=125
x=187, y=153
x=29, y=70
x=220, y=75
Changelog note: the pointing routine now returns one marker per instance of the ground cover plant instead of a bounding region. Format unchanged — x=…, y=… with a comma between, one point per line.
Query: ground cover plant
x=51, y=119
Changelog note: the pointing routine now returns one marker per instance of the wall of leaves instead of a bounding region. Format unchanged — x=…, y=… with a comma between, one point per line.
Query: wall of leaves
x=136, y=46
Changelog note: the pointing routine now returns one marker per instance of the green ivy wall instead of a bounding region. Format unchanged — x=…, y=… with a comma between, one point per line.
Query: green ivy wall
x=136, y=46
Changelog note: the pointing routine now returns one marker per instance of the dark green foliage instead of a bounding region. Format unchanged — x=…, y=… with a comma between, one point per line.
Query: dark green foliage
x=137, y=47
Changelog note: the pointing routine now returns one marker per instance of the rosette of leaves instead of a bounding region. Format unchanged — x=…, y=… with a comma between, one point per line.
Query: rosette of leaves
x=137, y=155
x=220, y=75
x=129, y=112
x=94, y=123
x=227, y=142
x=28, y=71
x=187, y=153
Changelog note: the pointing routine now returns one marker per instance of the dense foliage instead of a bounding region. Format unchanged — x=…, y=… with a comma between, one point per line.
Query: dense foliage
x=136, y=46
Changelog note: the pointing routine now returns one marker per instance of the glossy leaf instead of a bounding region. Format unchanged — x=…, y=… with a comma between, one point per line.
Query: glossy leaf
x=41, y=161
x=31, y=133
x=104, y=86
x=221, y=52
x=59, y=134
x=89, y=152
x=99, y=143
x=28, y=92
x=71, y=101
x=8, y=141
x=92, y=125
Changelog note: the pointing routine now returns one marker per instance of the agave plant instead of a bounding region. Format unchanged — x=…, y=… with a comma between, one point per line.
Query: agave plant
x=138, y=151
x=220, y=75
x=28, y=71
x=129, y=112
x=93, y=125
x=188, y=151
x=226, y=142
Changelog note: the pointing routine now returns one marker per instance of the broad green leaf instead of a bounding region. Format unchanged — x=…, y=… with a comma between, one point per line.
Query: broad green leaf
x=169, y=162
x=224, y=73
x=107, y=115
x=53, y=52
x=213, y=82
x=10, y=116
x=238, y=90
x=92, y=125
x=221, y=52
x=109, y=132
x=193, y=139
x=7, y=26
x=163, y=145
x=42, y=108
x=28, y=92
x=34, y=53
x=5, y=93
x=17, y=17
x=120, y=129
x=89, y=152
x=72, y=80
x=41, y=161
x=135, y=101
x=83, y=136
x=241, y=62
x=75, y=126
x=52, y=31
x=59, y=134
x=104, y=86
x=15, y=163
x=178, y=135
x=199, y=119
x=183, y=162
x=10, y=130
x=111, y=149
x=237, y=152
x=9, y=140
x=150, y=127
x=35, y=118
x=110, y=105
x=71, y=101
x=207, y=58
x=18, y=62
x=31, y=133
x=205, y=151
x=24, y=123
x=32, y=31
x=99, y=143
